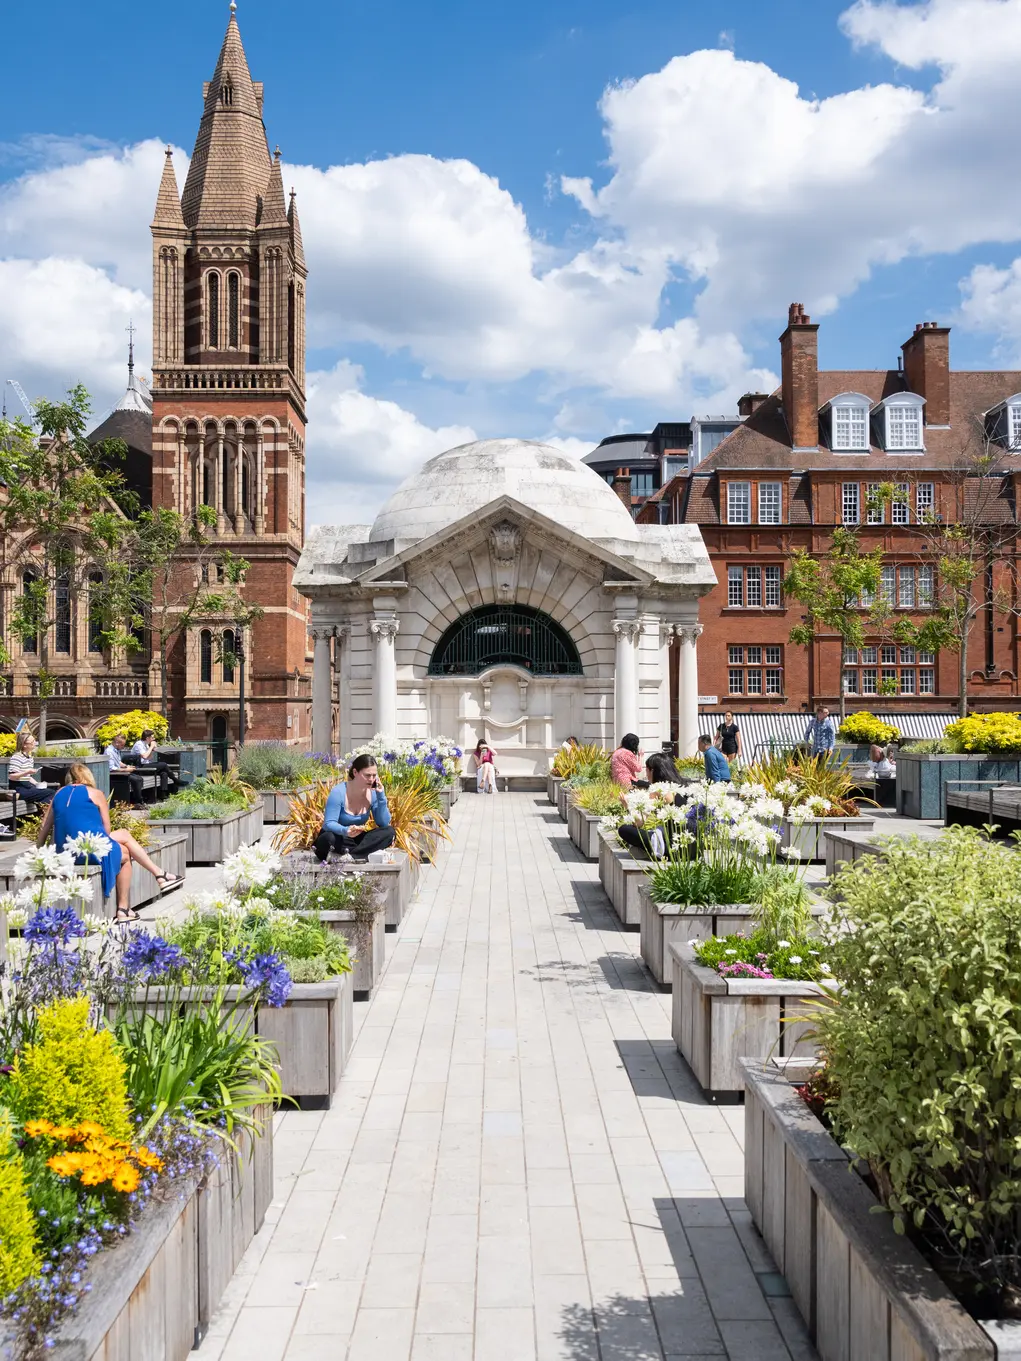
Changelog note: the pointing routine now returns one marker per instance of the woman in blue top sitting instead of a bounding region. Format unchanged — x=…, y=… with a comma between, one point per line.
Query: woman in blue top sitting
x=80, y=807
x=347, y=811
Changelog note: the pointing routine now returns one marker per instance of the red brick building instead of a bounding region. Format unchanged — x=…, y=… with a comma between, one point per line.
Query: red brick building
x=806, y=459
x=229, y=401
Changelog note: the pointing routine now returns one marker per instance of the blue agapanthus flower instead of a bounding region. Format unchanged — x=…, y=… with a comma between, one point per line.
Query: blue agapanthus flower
x=54, y=923
x=151, y=957
x=269, y=975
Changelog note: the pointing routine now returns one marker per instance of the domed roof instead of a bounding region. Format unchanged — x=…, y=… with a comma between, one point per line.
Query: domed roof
x=467, y=478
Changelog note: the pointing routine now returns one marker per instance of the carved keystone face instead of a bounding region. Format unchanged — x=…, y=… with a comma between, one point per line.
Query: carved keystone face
x=505, y=539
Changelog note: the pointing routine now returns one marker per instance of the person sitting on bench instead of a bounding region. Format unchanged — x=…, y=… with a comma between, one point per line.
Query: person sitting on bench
x=146, y=757
x=348, y=809
x=118, y=766
x=22, y=773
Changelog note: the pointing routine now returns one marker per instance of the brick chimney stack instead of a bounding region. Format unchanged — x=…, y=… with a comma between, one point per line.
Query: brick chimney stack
x=750, y=403
x=799, y=362
x=622, y=486
x=927, y=369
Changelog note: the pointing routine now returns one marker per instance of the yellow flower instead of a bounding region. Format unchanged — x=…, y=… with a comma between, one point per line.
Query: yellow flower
x=88, y=1129
x=35, y=1128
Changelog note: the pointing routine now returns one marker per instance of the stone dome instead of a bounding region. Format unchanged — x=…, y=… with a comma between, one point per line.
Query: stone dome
x=452, y=485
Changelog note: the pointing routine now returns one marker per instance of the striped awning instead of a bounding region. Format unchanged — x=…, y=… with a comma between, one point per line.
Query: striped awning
x=758, y=730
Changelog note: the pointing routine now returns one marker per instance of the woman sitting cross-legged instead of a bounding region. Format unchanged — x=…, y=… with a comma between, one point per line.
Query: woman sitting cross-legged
x=80, y=807
x=347, y=811
x=654, y=844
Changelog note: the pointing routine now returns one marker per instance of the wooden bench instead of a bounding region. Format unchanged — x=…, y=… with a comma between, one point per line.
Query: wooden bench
x=996, y=801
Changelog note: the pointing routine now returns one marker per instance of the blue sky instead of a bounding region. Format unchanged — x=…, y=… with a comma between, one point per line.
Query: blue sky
x=504, y=248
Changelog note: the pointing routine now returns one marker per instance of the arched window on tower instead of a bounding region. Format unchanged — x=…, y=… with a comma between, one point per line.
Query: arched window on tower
x=62, y=613
x=29, y=642
x=213, y=309
x=206, y=657
x=229, y=656
x=95, y=612
x=227, y=94
x=234, y=310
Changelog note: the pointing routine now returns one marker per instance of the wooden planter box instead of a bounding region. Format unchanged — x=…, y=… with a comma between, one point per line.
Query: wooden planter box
x=864, y=1292
x=54, y=768
x=168, y=851
x=847, y=847
x=583, y=829
x=313, y=1031
x=718, y=1021
x=922, y=779
x=563, y=793
x=622, y=878
x=366, y=939
x=666, y=924
x=276, y=804
x=448, y=797
x=153, y=1293
x=809, y=837
x=210, y=840
x=400, y=880
x=553, y=783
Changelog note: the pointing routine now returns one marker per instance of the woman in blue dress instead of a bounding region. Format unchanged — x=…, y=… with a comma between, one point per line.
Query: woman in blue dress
x=80, y=807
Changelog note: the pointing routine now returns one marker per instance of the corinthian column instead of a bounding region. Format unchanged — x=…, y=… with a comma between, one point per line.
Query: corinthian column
x=687, y=689
x=322, y=691
x=384, y=676
x=625, y=677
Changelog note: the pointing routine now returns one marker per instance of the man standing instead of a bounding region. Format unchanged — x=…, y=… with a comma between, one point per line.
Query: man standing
x=821, y=733
x=717, y=770
x=145, y=755
x=118, y=766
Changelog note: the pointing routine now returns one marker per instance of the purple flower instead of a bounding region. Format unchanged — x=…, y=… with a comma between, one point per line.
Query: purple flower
x=54, y=923
x=151, y=957
x=268, y=975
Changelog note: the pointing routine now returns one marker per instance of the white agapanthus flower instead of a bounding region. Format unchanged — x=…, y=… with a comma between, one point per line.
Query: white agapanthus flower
x=17, y=917
x=80, y=887
x=253, y=866
x=42, y=893
x=89, y=843
x=43, y=860
x=790, y=852
x=97, y=926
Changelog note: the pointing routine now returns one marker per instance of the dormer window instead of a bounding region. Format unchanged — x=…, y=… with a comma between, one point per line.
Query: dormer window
x=900, y=423
x=1003, y=423
x=849, y=423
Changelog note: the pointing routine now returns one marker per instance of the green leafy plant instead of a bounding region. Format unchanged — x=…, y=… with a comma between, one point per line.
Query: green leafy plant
x=924, y=1047
x=272, y=765
x=72, y=1073
x=569, y=760
x=802, y=779
x=865, y=727
x=600, y=797
x=760, y=955
x=985, y=732
x=362, y=894
x=207, y=797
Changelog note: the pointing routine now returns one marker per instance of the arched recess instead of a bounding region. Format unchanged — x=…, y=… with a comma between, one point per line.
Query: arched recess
x=505, y=635
x=62, y=730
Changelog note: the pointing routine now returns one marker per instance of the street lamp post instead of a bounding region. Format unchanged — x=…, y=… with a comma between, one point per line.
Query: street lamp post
x=239, y=648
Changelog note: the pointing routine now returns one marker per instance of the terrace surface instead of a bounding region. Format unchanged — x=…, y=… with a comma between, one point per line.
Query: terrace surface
x=518, y=1165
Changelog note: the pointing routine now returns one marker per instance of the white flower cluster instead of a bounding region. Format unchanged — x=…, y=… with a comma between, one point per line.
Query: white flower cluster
x=812, y=806
x=47, y=877
x=251, y=867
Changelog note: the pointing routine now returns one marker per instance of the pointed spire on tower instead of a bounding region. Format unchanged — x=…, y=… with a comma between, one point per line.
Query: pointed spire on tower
x=230, y=164
x=168, y=200
x=274, y=210
x=297, y=249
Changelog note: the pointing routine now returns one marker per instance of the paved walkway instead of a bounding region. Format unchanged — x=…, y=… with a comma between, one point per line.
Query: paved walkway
x=518, y=1165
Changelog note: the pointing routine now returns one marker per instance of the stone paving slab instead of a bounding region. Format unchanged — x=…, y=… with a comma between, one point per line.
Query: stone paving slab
x=518, y=1166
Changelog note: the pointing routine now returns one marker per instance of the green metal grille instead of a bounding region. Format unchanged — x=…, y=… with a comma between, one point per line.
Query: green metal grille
x=496, y=635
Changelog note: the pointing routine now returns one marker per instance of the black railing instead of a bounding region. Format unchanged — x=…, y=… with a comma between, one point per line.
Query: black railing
x=496, y=635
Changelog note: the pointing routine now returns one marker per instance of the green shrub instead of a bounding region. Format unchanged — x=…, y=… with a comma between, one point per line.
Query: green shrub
x=323, y=891
x=19, y=1245
x=72, y=1073
x=272, y=765
x=202, y=799
x=985, y=732
x=924, y=1044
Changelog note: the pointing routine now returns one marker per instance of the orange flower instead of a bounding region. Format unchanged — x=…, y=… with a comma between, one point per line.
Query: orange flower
x=62, y=1132
x=93, y=1176
x=125, y=1178
x=35, y=1128
x=88, y=1129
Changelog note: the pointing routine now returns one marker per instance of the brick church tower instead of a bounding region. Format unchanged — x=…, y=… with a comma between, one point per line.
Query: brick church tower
x=229, y=401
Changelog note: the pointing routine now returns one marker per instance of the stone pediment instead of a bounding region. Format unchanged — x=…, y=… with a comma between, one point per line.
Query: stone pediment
x=506, y=523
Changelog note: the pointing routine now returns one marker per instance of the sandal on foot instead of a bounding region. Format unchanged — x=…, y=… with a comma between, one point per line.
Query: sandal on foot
x=125, y=915
x=168, y=881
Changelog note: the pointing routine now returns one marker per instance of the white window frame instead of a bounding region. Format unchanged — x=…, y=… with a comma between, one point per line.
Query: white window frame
x=850, y=409
x=925, y=500
x=900, y=506
x=771, y=506
x=846, y=497
x=746, y=491
x=1014, y=425
x=875, y=515
x=772, y=577
x=735, y=577
x=752, y=587
x=888, y=411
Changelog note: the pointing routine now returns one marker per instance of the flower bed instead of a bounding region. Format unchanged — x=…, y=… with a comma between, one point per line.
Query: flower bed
x=717, y=1021
x=352, y=904
x=397, y=880
x=20, y=883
